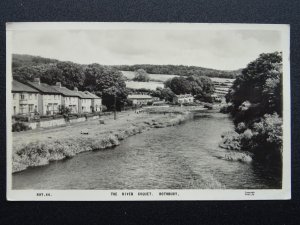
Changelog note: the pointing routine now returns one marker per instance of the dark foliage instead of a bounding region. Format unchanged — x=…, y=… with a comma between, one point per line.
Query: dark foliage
x=259, y=88
x=201, y=87
x=19, y=126
x=256, y=106
x=163, y=94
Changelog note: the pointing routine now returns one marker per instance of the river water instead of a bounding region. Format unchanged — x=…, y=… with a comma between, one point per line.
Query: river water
x=186, y=156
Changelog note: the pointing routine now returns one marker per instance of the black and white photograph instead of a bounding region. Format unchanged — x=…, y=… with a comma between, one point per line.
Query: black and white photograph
x=147, y=111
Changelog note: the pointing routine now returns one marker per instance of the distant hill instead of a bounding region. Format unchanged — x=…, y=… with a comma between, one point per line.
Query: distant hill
x=29, y=60
x=181, y=70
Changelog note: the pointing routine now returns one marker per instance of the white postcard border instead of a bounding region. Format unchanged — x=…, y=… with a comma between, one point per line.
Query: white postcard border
x=133, y=195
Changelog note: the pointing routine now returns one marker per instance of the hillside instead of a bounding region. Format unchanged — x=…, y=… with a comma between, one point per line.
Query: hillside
x=28, y=60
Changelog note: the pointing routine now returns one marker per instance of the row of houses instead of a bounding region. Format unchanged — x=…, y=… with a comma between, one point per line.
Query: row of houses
x=43, y=99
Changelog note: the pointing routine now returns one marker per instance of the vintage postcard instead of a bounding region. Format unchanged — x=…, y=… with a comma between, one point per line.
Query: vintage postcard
x=148, y=111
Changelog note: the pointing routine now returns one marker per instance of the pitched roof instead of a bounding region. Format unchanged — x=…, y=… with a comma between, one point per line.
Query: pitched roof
x=66, y=92
x=44, y=88
x=139, y=96
x=83, y=95
x=91, y=95
x=20, y=87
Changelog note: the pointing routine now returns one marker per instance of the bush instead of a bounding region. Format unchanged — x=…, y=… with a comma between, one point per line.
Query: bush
x=18, y=126
x=89, y=115
x=205, y=98
x=46, y=116
x=97, y=113
x=269, y=129
x=226, y=108
x=246, y=140
x=190, y=104
x=104, y=108
x=21, y=118
x=73, y=116
x=264, y=138
x=58, y=116
x=63, y=109
x=241, y=127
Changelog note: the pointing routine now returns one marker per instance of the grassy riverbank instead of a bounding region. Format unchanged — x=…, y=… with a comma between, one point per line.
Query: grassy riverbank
x=39, y=147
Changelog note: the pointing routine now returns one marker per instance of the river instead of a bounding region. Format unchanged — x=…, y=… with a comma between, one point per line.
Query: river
x=186, y=156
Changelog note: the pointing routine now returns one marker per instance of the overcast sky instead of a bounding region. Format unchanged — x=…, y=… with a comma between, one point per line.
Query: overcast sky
x=224, y=49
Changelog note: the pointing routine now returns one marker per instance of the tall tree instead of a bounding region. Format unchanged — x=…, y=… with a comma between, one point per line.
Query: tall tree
x=260, y=84
x=72, y=73
x=179, y=85
x=106, y=82
x=141, y=75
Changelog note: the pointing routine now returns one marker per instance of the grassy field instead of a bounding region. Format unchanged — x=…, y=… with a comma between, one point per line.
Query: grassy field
x=147, y=85
x=157, y=77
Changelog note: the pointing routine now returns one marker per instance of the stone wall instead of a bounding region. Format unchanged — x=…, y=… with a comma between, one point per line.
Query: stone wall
x=52, y=123
x=80, y=119
x=57, y=122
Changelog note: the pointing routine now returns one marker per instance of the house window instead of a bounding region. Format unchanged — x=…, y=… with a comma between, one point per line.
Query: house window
x=55, y=107
x=15, y=110
x=49, y=109
x=22, y=96
x=30, y=96
x=31, y=108
x=14, y=96
x=23, y=109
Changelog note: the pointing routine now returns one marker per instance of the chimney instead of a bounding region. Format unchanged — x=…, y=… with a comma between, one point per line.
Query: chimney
x=75, y=89
x=37, y=80
x=58, y=84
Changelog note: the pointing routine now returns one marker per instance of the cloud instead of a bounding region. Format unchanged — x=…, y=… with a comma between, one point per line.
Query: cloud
x=223, y=49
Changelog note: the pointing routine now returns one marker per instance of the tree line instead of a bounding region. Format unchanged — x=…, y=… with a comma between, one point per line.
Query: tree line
x=105, y=81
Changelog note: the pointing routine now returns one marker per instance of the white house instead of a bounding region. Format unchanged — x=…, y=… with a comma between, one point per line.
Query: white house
x=69, y=98
x=140, y=99
x=25, y=99
x=49, y=99
x=96, y=102
x=179, y=99
x=85, y=102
